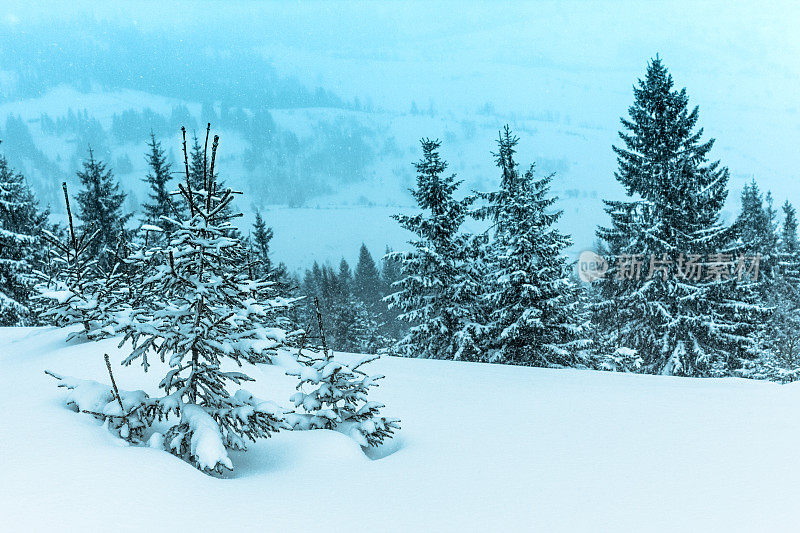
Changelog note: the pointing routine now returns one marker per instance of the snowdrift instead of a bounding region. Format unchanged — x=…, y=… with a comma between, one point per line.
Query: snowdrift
x=482, y=448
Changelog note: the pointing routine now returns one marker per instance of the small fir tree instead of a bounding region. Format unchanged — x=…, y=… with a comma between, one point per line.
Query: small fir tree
x=202, y=310
x=333, y=395
x=262, y=236
x=73, y=290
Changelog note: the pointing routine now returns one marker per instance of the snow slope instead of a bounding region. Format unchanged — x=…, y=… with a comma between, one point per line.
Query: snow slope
x=482, y=448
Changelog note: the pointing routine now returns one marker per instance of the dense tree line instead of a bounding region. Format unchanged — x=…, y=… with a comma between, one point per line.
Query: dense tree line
x=352, y=303
x=685, y=292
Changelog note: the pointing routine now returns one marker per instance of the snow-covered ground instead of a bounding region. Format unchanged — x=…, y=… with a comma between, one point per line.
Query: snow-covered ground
x=482, y=448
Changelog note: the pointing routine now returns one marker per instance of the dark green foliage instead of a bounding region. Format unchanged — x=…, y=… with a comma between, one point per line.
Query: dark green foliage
x=262, y=235
x=675, y=325
x=756, y=227
x=100, y=210
x=532, y=311
x=161, y=205
x=21, y=249
x=350, y=326
x=437, y=292
x=367, y=280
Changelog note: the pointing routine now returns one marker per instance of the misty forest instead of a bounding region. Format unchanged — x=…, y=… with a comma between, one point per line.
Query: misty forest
x=371, y=258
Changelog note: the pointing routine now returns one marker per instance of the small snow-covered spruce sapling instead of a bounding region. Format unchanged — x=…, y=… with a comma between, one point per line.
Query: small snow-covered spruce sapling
x=202, y=310
x=336, y=396
x=123, y=411
x=75, y=291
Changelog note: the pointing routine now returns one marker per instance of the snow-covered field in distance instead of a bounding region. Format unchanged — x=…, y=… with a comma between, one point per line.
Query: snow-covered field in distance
x=482, y=448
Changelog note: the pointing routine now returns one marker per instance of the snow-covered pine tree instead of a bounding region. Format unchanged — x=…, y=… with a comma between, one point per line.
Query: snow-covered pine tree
x=368, y=290
x=333, y=395
x=349, y=322
x=367, y=330
x=262, y=235
x=535, y=310
x=367, y=280
x=100, y=211
x=756, y=230
x=198, y=163
x=161, y=204
x=677, y=324
x=788, y=246
x=391, y=272
x=352, y=327
x=21, y=224
x=756, y=234
x=437, y=294
x=259, y=256
x=788, y=241
x=73, y=290
x=779, y=338
x=201, y=311
x=312, y=282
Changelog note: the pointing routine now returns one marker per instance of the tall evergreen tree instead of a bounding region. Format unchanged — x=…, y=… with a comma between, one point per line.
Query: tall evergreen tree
x=437, y=293
x=100, y=210
x=756, y=229
x=778, y=339
x=262, y=235
x=161, y=205
x=367, y=280
x=789, y=244
x=670, y=293
x=535, y=313
x=391, y=272
x=21, y=223
x=757, y=236
x=345, y=277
